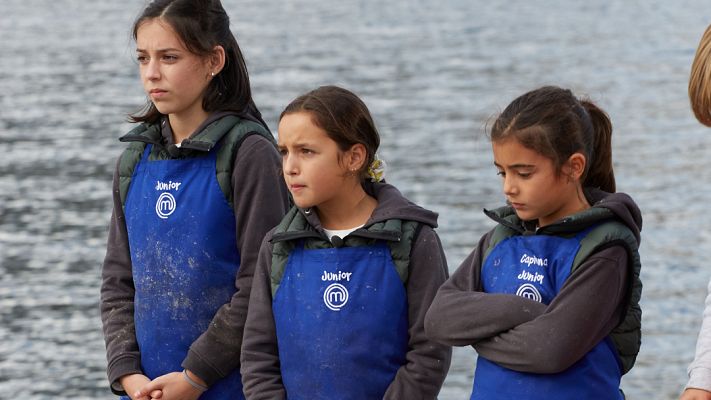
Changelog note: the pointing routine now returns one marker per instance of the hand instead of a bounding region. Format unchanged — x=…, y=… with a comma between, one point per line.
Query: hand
x=172, y=386
x=695, y=394
x=132, y=383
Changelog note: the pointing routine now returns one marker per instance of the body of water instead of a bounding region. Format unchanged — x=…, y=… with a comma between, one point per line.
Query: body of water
x=432, y=72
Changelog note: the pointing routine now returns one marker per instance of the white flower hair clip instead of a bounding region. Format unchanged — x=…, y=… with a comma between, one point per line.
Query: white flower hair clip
x=376, y=170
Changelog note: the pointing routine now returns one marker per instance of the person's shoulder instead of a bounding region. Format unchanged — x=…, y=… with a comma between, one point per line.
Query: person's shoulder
x=129, y=158
x=141, y=133
x=257, y=153
x=136, y=139
x=257, y=141
x=245, y=127
x=393, y=205
x=267, y=241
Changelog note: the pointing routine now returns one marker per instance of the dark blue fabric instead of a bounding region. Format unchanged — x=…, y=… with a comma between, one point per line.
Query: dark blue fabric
x=341, y=323
x=184, y=254
x=537, y=267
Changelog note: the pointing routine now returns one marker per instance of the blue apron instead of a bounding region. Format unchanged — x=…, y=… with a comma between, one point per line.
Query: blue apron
x=182, y=237
x=341, y=323
x=537, y=267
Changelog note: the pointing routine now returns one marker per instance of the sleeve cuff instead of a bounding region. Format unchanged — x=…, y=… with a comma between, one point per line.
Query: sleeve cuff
x=122, y=367
x=202, y=369
x=699, y=378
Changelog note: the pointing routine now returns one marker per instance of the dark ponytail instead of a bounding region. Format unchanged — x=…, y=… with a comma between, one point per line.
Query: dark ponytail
x=599, y=171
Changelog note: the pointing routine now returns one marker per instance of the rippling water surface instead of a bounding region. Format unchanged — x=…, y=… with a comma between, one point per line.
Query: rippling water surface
x=432, y=72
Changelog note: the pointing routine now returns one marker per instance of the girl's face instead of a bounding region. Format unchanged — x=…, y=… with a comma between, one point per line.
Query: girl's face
x=174, y=78
x=533, y=186
x=310, y=162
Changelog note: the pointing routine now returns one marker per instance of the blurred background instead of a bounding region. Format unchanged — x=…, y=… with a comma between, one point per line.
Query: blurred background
x=433, y=73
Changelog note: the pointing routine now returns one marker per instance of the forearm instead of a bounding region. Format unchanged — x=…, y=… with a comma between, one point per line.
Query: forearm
x=427, y=362
x=122, y=352
x=117, y=293
x=584, y=312
x=700, y=369
x=215, y=354
x=460, y=318
x=461, y=314
x=260, y=367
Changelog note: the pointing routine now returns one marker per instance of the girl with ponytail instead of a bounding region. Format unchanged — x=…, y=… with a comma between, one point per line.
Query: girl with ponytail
x=549, y=298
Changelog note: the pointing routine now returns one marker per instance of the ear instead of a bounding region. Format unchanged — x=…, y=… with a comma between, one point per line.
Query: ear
x=356, y=157
x=216, y=60
x=576, y=166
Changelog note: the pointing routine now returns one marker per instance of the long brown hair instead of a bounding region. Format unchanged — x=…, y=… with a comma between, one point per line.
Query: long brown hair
x=553, y=122
x=201, y=25
x=344, y=117
x=700, y=80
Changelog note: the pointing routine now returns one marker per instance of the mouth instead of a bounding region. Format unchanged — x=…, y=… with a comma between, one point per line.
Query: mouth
x=296, y=187
x=516, y=206
x=157, y=93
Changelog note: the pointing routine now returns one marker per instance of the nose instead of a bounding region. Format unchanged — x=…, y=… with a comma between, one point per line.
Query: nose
x=151, y=70
x=289, y=165
x=510, y=188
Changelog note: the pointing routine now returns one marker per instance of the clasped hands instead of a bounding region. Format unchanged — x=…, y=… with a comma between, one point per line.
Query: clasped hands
x=171, y=386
